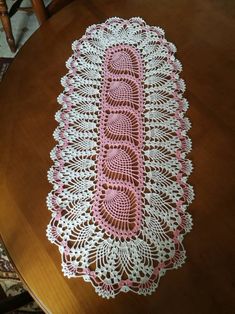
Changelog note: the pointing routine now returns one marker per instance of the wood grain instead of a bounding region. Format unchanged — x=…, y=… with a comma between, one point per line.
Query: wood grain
x=203, y=31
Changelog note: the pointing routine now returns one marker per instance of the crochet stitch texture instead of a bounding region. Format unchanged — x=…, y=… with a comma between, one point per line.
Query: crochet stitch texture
x=120, y=190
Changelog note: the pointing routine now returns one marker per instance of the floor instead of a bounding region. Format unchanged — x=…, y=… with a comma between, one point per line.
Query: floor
x=11, y=285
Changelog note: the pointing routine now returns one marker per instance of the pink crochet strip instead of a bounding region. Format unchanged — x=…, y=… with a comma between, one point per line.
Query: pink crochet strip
x=117, y=203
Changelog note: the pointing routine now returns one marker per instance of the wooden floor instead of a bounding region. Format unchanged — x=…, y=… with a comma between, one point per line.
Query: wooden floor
x=203, y=31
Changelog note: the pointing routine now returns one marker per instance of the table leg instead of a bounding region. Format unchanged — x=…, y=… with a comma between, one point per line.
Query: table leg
x=6, y=23
x=39, y=10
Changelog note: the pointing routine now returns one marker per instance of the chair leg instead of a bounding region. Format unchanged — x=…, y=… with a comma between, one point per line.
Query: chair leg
x=7, y=25
x=39, y=10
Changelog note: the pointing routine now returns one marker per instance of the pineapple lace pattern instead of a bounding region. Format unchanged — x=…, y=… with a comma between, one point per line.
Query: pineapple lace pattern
x=119, y=177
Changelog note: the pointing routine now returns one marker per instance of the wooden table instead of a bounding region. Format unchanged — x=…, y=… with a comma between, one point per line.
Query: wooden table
x=203, y=31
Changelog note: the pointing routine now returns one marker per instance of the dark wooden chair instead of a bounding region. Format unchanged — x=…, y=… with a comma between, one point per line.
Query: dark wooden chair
x=38, y=7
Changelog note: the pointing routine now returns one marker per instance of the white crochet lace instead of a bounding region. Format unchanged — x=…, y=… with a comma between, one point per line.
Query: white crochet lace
x=111, y=263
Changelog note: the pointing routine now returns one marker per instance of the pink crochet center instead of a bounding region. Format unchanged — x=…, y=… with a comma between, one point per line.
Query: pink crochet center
x=117, y=201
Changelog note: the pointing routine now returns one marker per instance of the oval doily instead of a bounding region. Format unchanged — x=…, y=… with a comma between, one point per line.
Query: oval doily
x=120, y=190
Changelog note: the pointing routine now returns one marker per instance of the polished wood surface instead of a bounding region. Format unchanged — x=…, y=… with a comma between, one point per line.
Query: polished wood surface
x=203, y=31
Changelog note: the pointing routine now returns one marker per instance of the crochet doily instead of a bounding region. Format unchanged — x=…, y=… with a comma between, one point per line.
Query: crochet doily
x=120, y=194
